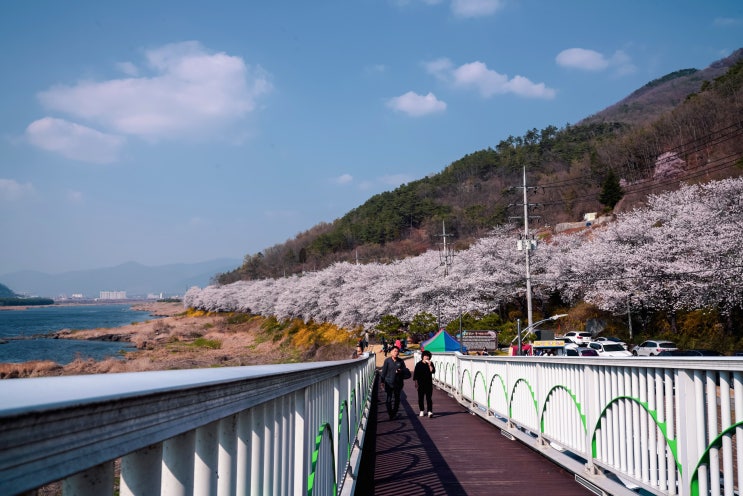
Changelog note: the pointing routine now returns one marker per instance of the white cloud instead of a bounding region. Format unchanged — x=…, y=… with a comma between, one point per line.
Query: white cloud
x=343, y=179
x=11, y=190
x=622, y=63
x=475, y=8
x=728, y=21
x=441, y=68
x=580, y=58
x=416, y=105
x=189, y=91
x=128, y=68
x=74, y=141
x=487, y=81
x=591, y=60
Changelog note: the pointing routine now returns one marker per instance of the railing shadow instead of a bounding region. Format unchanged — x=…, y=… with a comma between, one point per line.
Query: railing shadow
x=400, y=457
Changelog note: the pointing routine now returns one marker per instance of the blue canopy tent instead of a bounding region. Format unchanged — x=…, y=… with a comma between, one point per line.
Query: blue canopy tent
x=441, y=341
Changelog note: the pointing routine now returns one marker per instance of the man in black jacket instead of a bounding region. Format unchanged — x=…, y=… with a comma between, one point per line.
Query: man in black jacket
x=391, y=379
x=423, y=378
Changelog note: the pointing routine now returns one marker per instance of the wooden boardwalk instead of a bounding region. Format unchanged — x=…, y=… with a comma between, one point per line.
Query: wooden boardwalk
x=453, y=453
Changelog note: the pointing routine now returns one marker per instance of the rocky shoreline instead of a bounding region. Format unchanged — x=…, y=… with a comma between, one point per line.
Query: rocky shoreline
x=178, y=339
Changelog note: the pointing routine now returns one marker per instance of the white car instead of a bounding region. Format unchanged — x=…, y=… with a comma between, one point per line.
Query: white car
x=579, y=338
x=610, y=339
x=609, y=349
x=653, y=347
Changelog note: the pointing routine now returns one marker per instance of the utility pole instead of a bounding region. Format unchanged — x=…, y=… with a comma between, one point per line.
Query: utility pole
x=527, y=244
x=445, y=255
x=445, y=260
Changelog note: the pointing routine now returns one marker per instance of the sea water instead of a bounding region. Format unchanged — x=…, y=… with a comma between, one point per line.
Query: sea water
x=22, y=332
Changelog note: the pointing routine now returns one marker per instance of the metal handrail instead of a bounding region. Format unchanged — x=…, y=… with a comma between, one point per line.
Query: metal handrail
x=221, y=430
x=665, y=426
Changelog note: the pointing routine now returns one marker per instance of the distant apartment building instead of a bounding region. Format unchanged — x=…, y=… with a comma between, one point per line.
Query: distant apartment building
x=112, y=295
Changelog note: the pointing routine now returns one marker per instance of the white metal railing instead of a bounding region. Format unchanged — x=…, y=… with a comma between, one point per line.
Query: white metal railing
x=279, y=429
x=663, y=426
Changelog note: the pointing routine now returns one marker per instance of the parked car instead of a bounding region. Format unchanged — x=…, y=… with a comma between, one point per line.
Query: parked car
x=609, y=349
x=579, y=338
x=653, y=347
x=690, y=353
x=611, y=339
x=578, y=351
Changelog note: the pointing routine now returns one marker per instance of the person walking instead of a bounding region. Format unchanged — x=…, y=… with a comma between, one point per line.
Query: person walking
x=423, y=379
x=391, y=377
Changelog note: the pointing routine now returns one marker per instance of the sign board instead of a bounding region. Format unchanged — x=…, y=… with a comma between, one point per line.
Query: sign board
x=548, y=344
x=477, y=340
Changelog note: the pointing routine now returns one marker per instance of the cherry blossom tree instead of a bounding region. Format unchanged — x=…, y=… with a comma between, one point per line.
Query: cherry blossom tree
x=680, y=251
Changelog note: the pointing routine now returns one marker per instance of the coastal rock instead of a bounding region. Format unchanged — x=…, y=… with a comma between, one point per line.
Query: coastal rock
x=111, y=337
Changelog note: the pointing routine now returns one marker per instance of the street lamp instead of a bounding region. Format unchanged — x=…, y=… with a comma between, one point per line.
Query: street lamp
x=529, y=329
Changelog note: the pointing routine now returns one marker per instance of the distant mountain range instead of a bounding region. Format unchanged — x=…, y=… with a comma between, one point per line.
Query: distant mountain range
x=136, y=279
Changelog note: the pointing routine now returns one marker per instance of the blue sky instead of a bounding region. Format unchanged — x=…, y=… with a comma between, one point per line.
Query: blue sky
x=169, y=132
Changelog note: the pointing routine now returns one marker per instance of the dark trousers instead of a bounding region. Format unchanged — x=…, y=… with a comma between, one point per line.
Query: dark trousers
x=393, y=399
x=427, y=394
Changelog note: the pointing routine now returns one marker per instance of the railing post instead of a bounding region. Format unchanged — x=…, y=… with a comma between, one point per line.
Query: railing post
x=691, y=427
x=207, y=459
x=301, y=453
x=227, y=458
x=141, y=471
x=336, y=426
x=256, y=450
x=178, y=463
x=97, y=481
x=244, y=438
x=590, y=402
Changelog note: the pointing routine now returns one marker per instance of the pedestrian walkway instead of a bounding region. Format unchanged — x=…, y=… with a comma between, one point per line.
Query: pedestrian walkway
x=453, y=453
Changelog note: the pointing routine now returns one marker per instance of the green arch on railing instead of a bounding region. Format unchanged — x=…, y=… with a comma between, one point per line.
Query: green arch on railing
x=662, y=426
x=344, y=407
x=450, y=367
x=461, y=383
x=484, y=385
x=716, y=443
x=531, y=391
x=503, y=387
x=575, y=402
x=439, y=368
x=359, y=404
x=324, y=429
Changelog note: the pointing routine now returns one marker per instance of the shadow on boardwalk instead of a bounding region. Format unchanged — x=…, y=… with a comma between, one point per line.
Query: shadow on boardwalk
x=453, y=453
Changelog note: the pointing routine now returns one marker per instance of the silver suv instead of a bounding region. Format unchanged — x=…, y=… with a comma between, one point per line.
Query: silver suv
x=579, y=338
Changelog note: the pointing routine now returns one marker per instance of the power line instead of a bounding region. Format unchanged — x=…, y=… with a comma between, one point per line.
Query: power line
x=713, y=138
x=719, y=272
x=652, y=184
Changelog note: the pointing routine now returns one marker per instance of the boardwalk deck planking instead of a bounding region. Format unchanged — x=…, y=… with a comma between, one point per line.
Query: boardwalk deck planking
x=453, y=453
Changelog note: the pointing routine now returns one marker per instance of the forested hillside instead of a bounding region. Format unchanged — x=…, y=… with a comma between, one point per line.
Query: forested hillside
x=8, y=298
x=688, y=122
x=5, y=292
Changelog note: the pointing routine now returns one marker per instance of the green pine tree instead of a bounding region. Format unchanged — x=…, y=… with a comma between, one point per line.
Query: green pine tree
x=611, y=191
